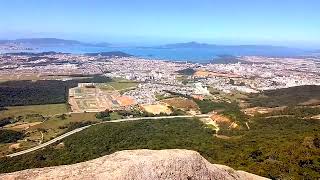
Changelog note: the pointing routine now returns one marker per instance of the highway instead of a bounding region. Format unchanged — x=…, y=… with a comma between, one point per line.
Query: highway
x=85, y=127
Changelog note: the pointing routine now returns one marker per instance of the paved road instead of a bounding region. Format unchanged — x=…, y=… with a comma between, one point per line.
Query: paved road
x=162, y=117
x=85, y=127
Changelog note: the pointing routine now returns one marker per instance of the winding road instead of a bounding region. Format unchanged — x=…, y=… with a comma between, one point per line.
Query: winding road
x=85, y=127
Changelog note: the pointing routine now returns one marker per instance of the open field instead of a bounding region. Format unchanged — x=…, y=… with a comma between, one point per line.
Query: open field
x=55, y=123
x=261, y=110
x=182, y=103
x=117, y=85
x=106, y=87
x=52, y=128
x=27, y=120
x=22, y=126
x=122, y=85
x=56, y=126
x=44, y=110
x=156, y=109
x=39, y=123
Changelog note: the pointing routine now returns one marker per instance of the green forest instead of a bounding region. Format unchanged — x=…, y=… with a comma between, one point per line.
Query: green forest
x=278, y=148
x=285, y=97
x=19, y=93
x=9, y=136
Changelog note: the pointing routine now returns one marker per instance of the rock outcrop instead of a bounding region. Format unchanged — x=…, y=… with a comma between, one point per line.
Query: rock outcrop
x=138, y=164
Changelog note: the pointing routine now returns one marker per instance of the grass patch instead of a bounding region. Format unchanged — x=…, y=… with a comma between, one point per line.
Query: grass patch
x=123, y=85
x=182, y=103
x=44, y=110
x=207, y=105
x=55, y=126
x=115, y=116
x=118, y=85
x=56, y=122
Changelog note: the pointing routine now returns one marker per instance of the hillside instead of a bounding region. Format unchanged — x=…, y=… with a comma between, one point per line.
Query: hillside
x=139, y=164
x=299, y=95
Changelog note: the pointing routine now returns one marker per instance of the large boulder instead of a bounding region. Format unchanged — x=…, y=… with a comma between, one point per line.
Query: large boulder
x=138, y=164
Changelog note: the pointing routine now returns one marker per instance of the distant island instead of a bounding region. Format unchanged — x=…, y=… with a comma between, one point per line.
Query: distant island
x=110, y=54
x=104, y=54
x=194, y=44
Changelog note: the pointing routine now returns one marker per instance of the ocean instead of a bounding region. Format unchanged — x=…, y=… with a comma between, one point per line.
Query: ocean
x=200, y=55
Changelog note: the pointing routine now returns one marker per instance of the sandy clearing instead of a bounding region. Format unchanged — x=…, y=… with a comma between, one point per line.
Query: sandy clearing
x=14, y=146
x=316, y=117
x=156, y=108
x=261, y=110
x=22, y=125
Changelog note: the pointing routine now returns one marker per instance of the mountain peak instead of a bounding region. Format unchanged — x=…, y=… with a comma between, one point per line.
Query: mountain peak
x=138, y=164
x=192, y=44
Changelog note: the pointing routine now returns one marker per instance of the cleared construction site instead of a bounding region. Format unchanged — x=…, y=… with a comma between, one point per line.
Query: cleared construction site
x=88, y=97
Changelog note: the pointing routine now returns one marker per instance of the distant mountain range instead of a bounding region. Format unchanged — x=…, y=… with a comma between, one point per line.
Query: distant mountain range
x=52, y=42
x=205, y=45
x=104, y=54
x=214, y=49
x=236, y=49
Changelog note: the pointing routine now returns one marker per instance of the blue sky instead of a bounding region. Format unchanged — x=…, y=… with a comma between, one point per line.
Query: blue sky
x=280, y=22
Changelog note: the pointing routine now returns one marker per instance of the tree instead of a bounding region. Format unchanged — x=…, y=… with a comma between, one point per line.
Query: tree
x=62, y=116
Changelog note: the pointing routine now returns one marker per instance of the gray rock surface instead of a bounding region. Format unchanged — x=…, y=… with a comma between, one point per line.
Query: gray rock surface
x=138, y=164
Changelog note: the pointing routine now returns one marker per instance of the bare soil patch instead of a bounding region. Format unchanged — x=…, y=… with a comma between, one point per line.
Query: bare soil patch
x=224, y=121
x=156, y=109
x=181, y=103
x=23, y=126
x=261, y=110
x=14, y=146
x=311, y=102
